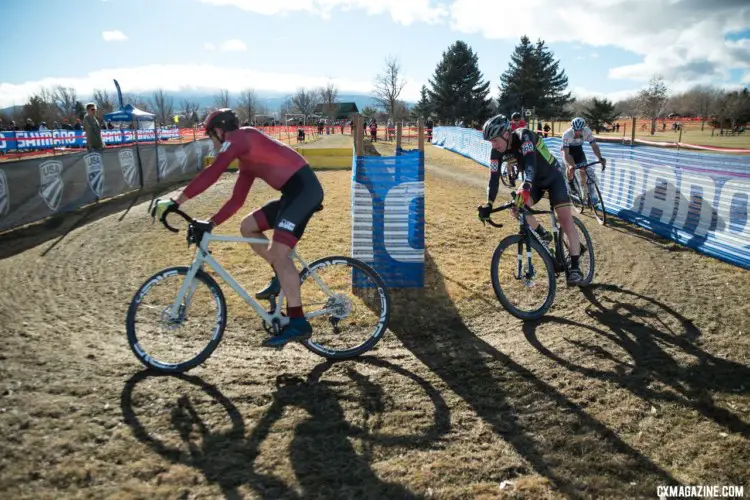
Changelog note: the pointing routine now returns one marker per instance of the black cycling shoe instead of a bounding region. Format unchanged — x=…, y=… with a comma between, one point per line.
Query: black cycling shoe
x=574, y=276
x=271, y=290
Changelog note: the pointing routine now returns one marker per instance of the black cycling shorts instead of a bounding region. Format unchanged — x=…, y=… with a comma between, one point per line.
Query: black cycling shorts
x=555, y=184
x=576, y=152
x=301, y=197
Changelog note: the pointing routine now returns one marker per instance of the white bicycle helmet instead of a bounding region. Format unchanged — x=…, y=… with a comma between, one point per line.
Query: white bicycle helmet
x=494, y=127
x=578, y=123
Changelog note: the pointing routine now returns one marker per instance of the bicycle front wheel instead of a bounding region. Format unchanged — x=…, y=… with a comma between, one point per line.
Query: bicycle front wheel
x=597, y=203
x=524, y=283
x=347, y=304
x=176, y=344
x=576, y=197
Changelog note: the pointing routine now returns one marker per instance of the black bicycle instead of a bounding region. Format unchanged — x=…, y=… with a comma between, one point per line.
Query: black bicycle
x=528, y=274
x=592, y=198
x=509, y=171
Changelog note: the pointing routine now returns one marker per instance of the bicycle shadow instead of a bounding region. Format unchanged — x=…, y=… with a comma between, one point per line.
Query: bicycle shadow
x=322, y=456
x=645, y=336
x=554, y=435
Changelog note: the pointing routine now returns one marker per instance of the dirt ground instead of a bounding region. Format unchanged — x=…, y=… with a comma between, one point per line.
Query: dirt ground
x=639, y=380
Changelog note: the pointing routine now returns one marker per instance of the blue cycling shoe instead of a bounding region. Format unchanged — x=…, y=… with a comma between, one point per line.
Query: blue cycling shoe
x=297, y=329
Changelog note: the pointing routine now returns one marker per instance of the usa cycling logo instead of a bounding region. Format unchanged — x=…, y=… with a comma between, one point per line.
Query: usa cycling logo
x=95, y=172
x=4, y=194
x=127, y=165
x=51, y=185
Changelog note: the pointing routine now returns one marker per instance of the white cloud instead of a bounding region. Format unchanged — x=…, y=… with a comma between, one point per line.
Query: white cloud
x=175, y=77
x=594, y=55
x=233, y=45
x=209, y=46
x=114, y=36
x=401, y=11
x=682, y=40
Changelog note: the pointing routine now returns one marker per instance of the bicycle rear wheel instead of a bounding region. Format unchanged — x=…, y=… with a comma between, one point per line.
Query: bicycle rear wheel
x=174, y=345
x=348, y=308
x=517, y=290
x=597, y=203
x=586, y=259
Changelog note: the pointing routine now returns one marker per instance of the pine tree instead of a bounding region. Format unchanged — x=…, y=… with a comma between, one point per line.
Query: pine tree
x=599, y=113
x=457, y=91
x=533, y=79
x=423, y=108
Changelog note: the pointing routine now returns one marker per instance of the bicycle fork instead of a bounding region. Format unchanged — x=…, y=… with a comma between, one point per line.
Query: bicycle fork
x=528, y=276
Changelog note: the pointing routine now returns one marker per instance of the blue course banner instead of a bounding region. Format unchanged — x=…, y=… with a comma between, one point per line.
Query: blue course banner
x=697, y=199
x=26, y=141
x=388, y=217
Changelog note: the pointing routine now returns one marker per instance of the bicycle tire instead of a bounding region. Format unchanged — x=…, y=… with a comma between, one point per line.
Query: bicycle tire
x=589, y=252
x=505, y=177
x=218, y=334
x=599, y=211
x=513, y=240
x=577, y=198
x=384, y=317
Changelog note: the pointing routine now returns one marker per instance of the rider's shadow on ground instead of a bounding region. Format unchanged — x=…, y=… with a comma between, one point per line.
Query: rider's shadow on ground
x=554, y=435
x=647, y=330
x=321, y=453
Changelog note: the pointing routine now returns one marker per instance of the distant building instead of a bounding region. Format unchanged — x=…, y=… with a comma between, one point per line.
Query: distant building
x=342, y=110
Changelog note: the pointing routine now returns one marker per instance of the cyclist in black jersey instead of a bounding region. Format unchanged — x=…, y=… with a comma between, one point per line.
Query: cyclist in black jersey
x=542, y=172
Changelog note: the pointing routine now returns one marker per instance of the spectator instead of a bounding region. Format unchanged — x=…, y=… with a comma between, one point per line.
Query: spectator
x=92, y=128
x=373, y=130
x=30, y=127
x=43, y=127
x=546, y=129
x=55, y=125
x=66, y=125
x=78, y=125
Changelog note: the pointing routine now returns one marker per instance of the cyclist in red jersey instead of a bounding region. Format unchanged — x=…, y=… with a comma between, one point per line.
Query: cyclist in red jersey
x=285, y=170
x=516, y=121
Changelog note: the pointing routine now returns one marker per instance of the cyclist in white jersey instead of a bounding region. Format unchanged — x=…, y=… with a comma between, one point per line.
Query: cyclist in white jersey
x=572, y=149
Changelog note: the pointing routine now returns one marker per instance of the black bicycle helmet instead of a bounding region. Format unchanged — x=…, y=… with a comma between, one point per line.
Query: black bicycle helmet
x=225, y=119
x=515, y=116
x=494, y=127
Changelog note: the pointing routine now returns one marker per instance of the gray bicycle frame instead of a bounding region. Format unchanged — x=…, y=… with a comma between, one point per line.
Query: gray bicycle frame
x=203, y=257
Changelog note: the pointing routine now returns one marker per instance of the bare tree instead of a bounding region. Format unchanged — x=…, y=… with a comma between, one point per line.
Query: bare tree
x=248, y=105
x=189, y=109
x=163, y=106
x=41, y=107
x=304, y=101
x=702, y=101
x=627, y=107
x=221, y=99
x=286, y=107
x=388, y=86
x=138, y=101
x=103, y=101
x=578, y=106
x=652, y=101
x=401, y=111
x=329, y=97
x=65, y=99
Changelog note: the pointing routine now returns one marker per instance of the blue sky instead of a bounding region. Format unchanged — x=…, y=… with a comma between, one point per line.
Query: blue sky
x=606, y=47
